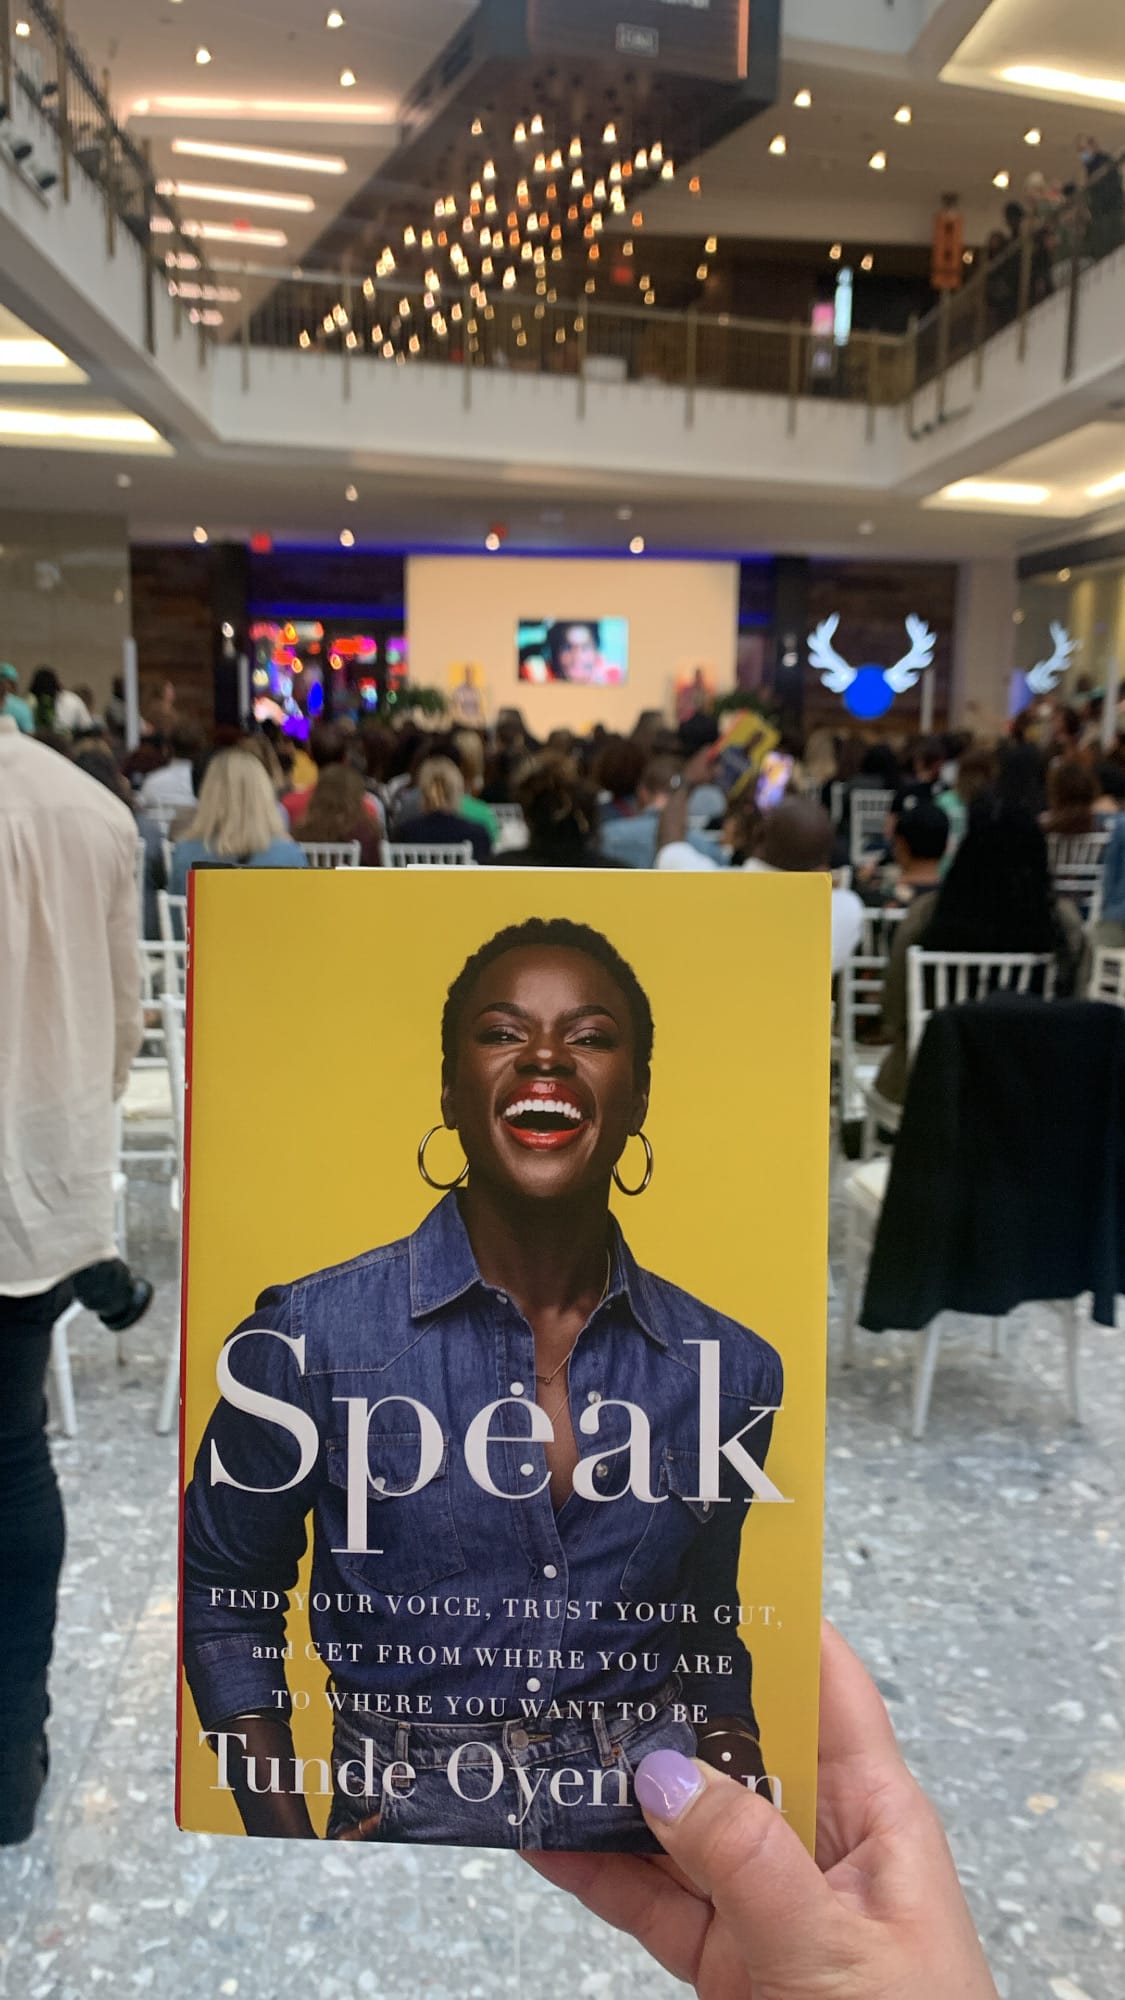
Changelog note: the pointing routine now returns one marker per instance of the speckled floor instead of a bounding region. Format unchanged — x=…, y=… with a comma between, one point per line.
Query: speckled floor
x=979, y=1573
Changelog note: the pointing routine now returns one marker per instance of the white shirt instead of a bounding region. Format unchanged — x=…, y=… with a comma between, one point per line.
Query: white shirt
x=847, y=909
x=172, y=785
x=70, y=1009
x=71, y=712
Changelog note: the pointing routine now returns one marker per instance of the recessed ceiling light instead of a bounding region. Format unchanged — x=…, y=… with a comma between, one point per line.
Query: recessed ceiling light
x=228, y=197
x=836, y=252
x=711, y=245
x=1064, y=575
x=17, y=421
x=997, y=492
x=31, y=353
x=124, y=479
x=878, y=162
x=334, y=18
x=867, y=527
x=1033, y=136
x=778, y=145
x=351, y=493
x=624, y=513
x=222, y=232
x=867, y=262
x=347, y=79
x=903, y=115
x=803, y=100
x=1002, y=179
x=296, y=108
x=259, y=156
x=492, y=542
x=199, y=535
x=1069, y=83
x=202, y=56
x=637, y=545
x=1105, y=487
x=347, y=539
x=23, y=29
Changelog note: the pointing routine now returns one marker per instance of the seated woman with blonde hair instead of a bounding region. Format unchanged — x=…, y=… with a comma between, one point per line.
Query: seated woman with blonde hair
x=441, y=822
x=236, y=823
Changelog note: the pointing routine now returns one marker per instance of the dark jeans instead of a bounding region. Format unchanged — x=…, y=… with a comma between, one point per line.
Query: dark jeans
x=32, y=1535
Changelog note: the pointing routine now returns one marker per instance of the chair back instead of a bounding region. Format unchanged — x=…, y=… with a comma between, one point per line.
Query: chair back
x=412, y=854
x=331, y=853
x=172, y=1010
x=1082, y=882
x=879, y=926
x=859, y=998
x=163, y=816
x=174, y=936
x=511, y=826
x=836, y=792
x=1107, y=981
x=869, y=810
x=1070, y=850
x=139, y=879
x=951, y=978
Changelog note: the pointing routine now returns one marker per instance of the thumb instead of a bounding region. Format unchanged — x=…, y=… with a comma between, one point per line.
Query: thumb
x=739, y=1851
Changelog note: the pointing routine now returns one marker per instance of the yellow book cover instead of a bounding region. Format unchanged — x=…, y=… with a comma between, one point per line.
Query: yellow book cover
x=504, y=1348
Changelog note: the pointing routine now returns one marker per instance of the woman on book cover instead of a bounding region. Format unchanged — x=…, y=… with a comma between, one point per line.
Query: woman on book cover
x=533, y=1580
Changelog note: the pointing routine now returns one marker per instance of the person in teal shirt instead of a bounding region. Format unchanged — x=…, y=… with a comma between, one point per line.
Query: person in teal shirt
x=12, y=703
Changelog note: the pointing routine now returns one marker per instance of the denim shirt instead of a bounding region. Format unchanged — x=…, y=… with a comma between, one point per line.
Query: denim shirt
x=1113, y=877
x=519, y=1601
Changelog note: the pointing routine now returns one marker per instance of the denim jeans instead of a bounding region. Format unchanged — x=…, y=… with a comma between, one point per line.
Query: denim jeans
x=32, y=1533
x=562, y=1785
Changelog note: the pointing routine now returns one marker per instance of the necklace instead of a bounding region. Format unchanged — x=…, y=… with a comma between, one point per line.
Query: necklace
x=546, y=1380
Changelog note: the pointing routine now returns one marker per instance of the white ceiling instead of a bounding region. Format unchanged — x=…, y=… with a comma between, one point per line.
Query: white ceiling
x=1086, y=38
x=1068, y=467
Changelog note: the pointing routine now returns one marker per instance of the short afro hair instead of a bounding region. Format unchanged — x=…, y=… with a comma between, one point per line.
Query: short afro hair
x=559, y=934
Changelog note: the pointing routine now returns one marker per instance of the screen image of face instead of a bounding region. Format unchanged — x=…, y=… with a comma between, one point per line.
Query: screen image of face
x=589, y=652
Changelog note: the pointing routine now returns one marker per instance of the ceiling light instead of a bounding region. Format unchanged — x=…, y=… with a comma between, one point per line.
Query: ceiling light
x=17, y=421
x=492, y=542
x=711, y=245
x=866, y=528
x=351, y=493
x=903, y=115
x=223, y=295
x=1069, y=83
x=258, y=156
x=199, y=535
x=701, y=271
x=777, y=145
x=668, y=171
x=536, y=126
x=1064, y=575
x=803, y=100
x=519, y=136
x=202, y=56
x=836, y=252
x=1002, y=179
x=867, y=262
x=222, y=232
x=641, y=160
x=261, y=107
x=609, y=136
x=124, y=480
x=23, y=29
x=997, y=492
x=1033, y=136
x=1105, y=487
x=347, y=79
x=650, y=298
x=335, y=19
x=488, y=171
x=878, y=162
x=637, y=545
x=476, y=128
x=347, y=539
x=289, y=204
x=31, y=353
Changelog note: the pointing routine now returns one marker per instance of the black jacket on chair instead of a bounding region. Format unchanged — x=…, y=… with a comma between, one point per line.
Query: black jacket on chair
x=1008, y=1176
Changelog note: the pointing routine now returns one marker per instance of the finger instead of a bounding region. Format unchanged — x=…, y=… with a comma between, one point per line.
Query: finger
x=637, y=1896
x=853, y=1716
x=740, y=1851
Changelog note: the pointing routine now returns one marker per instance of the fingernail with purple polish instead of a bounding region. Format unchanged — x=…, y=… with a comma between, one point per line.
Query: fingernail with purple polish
x=666, y=1783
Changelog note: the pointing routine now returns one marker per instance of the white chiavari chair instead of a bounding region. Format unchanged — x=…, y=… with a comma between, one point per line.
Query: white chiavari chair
x=869, y=810
x=415, y=854
x=331, y=853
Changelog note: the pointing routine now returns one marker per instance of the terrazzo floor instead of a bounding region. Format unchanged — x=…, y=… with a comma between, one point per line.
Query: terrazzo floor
x=978, y=1573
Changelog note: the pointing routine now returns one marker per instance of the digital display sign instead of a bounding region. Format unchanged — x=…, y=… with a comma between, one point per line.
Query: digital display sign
x=700, y=38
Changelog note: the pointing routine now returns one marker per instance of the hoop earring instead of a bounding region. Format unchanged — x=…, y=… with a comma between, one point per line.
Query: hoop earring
x=443, y=1187
x=619, y=1183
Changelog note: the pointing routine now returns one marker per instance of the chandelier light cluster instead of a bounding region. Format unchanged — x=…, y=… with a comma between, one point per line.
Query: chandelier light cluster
x=527, y=208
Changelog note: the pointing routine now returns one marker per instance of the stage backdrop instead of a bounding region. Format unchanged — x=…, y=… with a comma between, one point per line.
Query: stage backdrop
x=682, y=615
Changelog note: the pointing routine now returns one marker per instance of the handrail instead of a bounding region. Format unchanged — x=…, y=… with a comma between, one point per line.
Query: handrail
x=48, y=70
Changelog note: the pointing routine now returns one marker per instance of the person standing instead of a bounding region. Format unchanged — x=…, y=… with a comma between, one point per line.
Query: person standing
x=70, y=995
x=1105, y=197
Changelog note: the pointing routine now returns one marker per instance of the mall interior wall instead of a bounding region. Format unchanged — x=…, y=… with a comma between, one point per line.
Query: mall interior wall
x=64, y=596
x=464, y=610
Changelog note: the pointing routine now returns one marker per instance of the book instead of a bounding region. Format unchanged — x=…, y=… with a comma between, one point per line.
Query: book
x=504, y=1344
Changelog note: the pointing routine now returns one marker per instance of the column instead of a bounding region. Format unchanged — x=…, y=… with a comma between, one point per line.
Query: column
x=984, y=645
